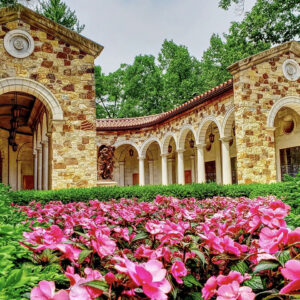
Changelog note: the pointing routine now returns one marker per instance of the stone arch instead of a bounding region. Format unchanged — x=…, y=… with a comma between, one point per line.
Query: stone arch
x=291, y=102
x=166, y=140
x=183, y=133
x=36, y=89
x=201, y=132
x=121, y=143
x=227, y=122
x=146, y=144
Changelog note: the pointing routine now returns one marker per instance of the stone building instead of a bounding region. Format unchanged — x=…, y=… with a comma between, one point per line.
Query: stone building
x=245, y=130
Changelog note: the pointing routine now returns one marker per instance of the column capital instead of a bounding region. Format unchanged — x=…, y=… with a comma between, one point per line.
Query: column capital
x=38, y=149
x=164, y=155
x=121, y=162
x=44, y=143
x=49, y=134
x=171, y=159
x=180, y=150
x=142, y=157
x=200, y=146
x=192, y=157
x=271, y=129
x=226, y=139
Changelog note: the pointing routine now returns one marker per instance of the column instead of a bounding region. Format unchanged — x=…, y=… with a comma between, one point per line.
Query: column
x=45, y=153
x=226, y=162
x=122, y=173
x=141, y=171
x=218, y=162
x=39, y=168
x=35, y=163
x=151, y=175
x=19, y=170
x=201, y=163
x=170, y=170
x=164, y=169
x=193, y=168
x=180, y=166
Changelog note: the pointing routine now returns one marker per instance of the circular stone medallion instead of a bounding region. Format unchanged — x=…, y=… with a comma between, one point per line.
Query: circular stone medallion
x=18, y=43
x=291, y=70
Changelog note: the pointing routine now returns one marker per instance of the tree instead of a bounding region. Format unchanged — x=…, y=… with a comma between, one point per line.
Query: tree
x=11, y=3
x=269, y=21
x=59, y=12
x=180, y=74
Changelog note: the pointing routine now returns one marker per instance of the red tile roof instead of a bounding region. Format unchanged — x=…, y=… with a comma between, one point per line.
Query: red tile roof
x=142, y=122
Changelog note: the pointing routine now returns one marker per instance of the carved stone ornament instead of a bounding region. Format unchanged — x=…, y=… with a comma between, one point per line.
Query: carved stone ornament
x=105, y=162
x=291, y=70
x=18, y=43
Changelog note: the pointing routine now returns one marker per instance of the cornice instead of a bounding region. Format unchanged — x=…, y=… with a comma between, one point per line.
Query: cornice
x=73, y=38
x=248, y=62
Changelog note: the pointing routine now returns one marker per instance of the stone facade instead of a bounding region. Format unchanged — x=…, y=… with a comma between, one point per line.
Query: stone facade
x=63, y=63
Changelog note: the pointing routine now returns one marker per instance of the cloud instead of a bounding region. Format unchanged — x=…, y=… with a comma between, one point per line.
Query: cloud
x=127, y=28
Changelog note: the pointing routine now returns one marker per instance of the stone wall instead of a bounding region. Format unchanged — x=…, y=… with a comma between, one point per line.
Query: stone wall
x=69, y=74
x=259, y=83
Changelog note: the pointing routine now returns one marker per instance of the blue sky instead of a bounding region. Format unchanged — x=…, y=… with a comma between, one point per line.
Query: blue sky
x=127, y=28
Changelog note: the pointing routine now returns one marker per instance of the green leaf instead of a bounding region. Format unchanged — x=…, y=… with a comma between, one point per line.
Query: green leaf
x=101, y=285
x=200, y=255
x=284, y=257
x=83, y=255
x=241, y=267
x=190, y=280
x=140, y=236
x=196, y=296
x=255, y=283
x=265, y=265
x=15, y=278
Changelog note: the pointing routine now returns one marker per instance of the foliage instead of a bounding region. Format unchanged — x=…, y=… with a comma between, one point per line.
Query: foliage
x=18, y=271
x=145, y=87
x=59, y=12
x=12, y=3
x=184, y=249
x=289, y=191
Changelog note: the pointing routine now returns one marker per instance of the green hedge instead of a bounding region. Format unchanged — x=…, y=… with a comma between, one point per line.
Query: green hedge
x=289, y=191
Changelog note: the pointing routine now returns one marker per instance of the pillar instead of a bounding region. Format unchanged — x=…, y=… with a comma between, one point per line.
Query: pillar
x=226, y=162
x=164, y=169
x=122, y=173
x=218, y=162
x=19, y=170
x=35, y=168
x=151, y=175
x=201, y=163
x=45, y=154
x=142, y=171
x=170, y=170
x=39, y=169
x=193, y=168
x=180, y=166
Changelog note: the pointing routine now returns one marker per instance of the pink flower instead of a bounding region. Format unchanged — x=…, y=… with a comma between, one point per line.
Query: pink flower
x=178, y=270
x=232, y=276
x=103, y=244
x=294, y=237
x=210, y=288
x=46, y=291
x=110, y=278
x=154, y=227
x=233, y=291
x=291, y=272
x=273, y=240
x=150, y=275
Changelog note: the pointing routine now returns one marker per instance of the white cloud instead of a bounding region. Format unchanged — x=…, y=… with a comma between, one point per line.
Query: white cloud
x=127, y=28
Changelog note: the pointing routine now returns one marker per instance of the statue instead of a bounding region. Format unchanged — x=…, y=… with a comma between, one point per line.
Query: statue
x=105, y=161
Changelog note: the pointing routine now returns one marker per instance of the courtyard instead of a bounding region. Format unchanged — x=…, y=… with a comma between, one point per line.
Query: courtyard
x=105, y=196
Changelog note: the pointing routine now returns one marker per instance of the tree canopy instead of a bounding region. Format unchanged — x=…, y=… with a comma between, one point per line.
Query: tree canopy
x=59, y=12
x=152, y=85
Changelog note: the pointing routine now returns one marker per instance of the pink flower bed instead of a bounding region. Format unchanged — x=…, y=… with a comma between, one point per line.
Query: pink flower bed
x=219, y=248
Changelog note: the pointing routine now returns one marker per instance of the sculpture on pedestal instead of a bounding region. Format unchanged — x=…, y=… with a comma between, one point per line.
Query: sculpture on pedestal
x=105, y=162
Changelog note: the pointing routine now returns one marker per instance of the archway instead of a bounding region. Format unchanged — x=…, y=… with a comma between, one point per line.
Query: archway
x=287, y=142
x=187, y=155
x=210, y=161
x=20, y=128
x=126, y=166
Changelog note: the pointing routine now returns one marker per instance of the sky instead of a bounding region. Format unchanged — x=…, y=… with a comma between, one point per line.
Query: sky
x=127, y=28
